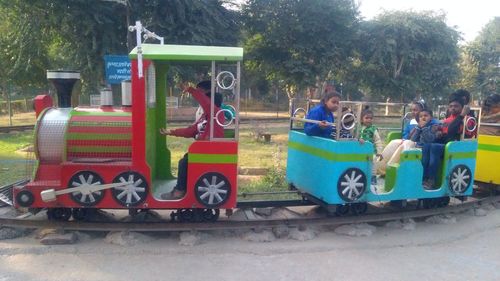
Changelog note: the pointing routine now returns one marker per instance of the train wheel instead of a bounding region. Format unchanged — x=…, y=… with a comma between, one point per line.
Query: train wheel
x=430, y=203
x=351, y=184
x=210, y=215
x=86, y=178
x=59, y=214
x=131, y=194
x=400, y=204
x=186, y=215
x=212, y=189
x=460, y=179
x=342, y=210
x=359, y=208
x=81, y=214
x=443, y=202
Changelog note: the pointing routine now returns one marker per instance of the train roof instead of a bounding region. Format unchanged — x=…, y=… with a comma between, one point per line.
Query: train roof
x=188, y=53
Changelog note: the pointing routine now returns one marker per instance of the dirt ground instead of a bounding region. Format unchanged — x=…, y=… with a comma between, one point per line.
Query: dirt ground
x=462, y=246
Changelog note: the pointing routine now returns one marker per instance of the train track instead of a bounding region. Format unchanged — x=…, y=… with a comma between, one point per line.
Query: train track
x=386, y=214
x=7, y=129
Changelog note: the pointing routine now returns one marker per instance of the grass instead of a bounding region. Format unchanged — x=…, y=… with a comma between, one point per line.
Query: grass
x=252, y=153
x=11, y=143
x=13, y=164
x=18, y=119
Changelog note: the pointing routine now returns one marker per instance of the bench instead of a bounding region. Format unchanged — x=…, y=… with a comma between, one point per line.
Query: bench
x=266, y=137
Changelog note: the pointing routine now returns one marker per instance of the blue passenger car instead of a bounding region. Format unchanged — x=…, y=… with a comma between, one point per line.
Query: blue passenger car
x=336, y=173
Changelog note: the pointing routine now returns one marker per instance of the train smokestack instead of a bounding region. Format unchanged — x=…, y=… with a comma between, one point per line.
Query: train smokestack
x=63, y=81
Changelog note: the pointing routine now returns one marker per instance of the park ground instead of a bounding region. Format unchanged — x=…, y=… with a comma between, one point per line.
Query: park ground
x=460, y=246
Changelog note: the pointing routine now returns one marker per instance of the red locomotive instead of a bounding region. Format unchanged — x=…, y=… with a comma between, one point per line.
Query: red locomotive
x=115, y=157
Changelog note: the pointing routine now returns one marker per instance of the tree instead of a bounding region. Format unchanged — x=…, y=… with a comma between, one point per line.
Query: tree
x=485, y=54
x=407, y=54
x=78, y=33
x=72, y=34
x=24, y=52
x=468, y=72
x=189, y=22
x=295, y=43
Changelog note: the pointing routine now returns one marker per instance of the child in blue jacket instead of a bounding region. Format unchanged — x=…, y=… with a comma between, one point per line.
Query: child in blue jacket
x=323, y=112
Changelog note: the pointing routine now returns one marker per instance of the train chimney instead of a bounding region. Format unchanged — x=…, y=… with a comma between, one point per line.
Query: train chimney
x=106, y=97
x=126, y=93
x=63, y=81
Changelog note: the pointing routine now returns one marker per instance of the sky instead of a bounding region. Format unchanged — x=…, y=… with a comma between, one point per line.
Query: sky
x=468, y=16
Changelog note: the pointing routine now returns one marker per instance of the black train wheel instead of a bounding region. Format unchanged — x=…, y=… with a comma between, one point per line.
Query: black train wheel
x=86, y=178
x=460, y=179
x=359, y=208
x=212, y=189
x=59, y=214
x=351, y=184
x=210, y=215
x=132, y=193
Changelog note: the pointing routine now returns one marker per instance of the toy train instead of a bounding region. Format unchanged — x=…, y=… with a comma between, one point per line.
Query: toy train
x=114, y=157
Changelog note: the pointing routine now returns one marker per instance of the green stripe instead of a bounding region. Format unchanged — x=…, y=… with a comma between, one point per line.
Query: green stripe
x=462, y=155
x=213, y=158
x=99, y=149
x=489, y=147
x=100, y=124
x=96, y=136
x=330, y=156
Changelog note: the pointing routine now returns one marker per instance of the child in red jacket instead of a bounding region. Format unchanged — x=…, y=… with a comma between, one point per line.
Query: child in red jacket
x=199, y=130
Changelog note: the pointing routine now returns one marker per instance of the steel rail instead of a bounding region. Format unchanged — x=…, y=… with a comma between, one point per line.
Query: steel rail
x=224, y=224
x=7, y=129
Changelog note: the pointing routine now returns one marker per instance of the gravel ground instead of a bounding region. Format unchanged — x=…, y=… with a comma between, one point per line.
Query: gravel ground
x=465, y=247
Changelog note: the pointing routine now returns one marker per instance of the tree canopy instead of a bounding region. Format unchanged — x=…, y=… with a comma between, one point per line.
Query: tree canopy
x=408, y=54
x=484, y=52
x=291, y=45
x=298, y=42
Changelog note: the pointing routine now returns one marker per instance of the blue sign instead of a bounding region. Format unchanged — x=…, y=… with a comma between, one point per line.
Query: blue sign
x=117, y=69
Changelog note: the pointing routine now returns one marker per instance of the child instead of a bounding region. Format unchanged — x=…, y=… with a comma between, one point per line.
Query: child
x=199, y=130
x=323, y=112
x=426, y=131
x=450, y=130
x=370, y=133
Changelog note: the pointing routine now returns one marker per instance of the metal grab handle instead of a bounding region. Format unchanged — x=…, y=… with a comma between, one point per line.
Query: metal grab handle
x=311, y=121
x=222, y=111
x=222, y=76
x=297, y=111
x=232, y=107
x=342, y=121
x=473, y=119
